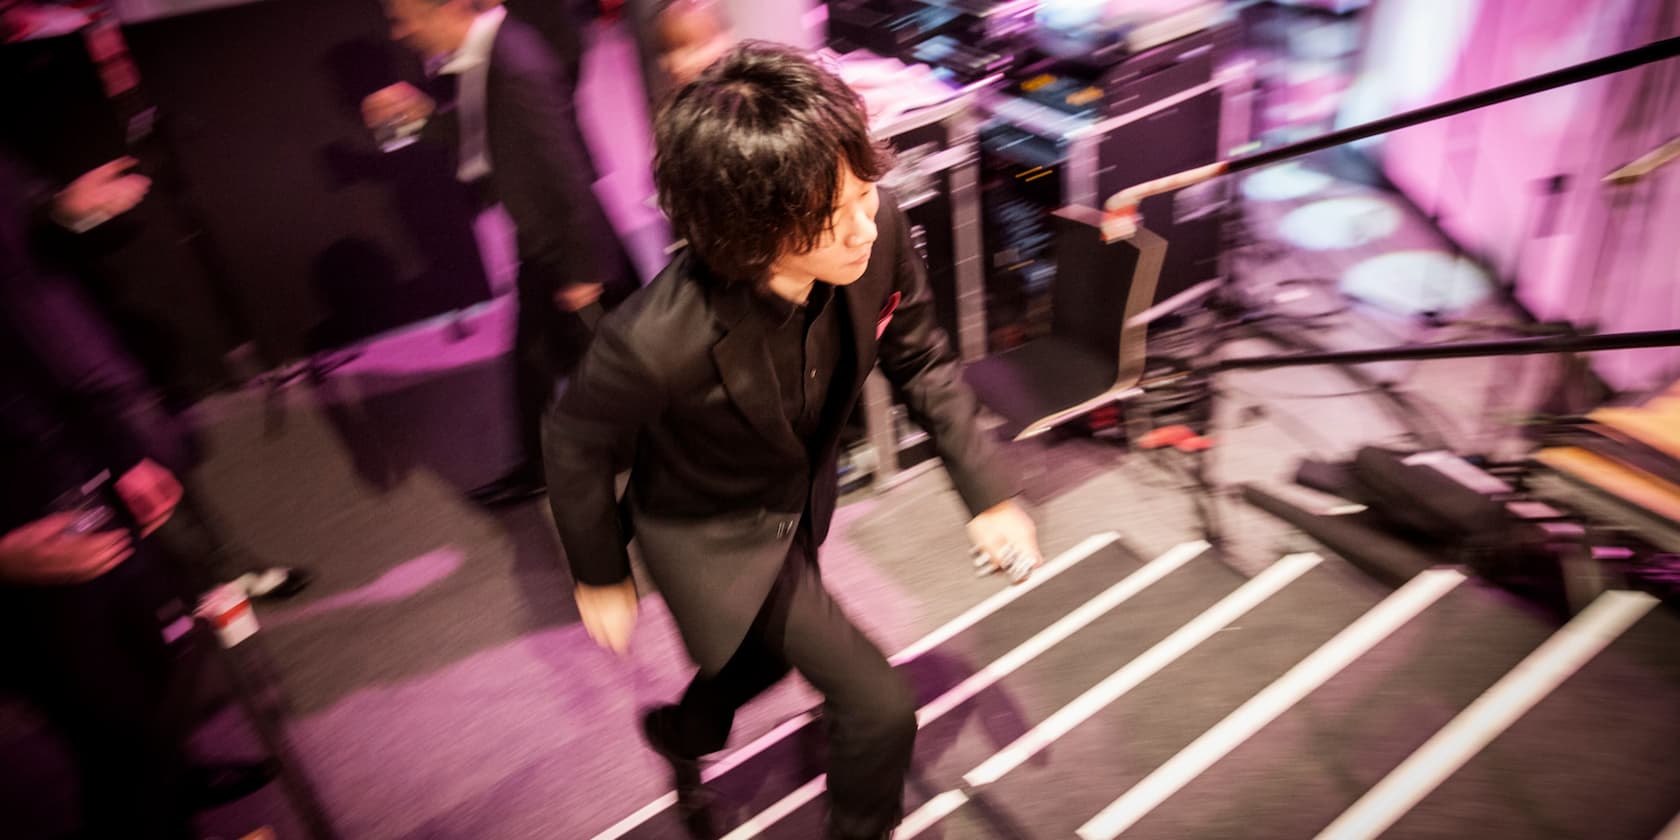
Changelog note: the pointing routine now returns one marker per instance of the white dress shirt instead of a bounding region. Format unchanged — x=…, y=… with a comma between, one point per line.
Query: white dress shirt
x=472, y=63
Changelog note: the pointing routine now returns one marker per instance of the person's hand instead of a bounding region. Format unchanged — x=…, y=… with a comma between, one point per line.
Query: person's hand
x=44, y=552
x=575, y=297
x=151, y=493
x=609, y=613
x=1005, y=540
x=399, y=104
x=103, y=193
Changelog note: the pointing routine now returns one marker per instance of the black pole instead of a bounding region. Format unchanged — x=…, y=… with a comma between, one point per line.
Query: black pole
x=1626, y=60
x=1458, y=350
x=1122, y=206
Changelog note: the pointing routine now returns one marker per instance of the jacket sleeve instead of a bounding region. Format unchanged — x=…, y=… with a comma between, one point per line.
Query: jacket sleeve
x=564, y=234
x=104, y=392
x=611, y=395
x=916, y=356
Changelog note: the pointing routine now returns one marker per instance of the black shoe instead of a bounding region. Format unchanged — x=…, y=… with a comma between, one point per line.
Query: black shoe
x=694, y=799
x=515, y=488
x=209, y=785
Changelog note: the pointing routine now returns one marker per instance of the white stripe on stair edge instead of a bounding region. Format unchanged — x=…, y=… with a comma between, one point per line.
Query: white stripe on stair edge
x=945, y=632
x=1330, y=659
x=1117, y=684
x=1538, y=675
x=1164, y=653
x=1064, y=627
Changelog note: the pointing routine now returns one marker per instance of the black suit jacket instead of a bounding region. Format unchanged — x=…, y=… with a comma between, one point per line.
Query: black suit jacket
x=719, y=480
x=561, y=23
x=72, y=402
x=540, y=166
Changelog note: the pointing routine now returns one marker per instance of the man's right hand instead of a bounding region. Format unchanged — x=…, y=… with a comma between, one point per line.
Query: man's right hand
x=400, y=103
x=99, y=194
x=608, y=613
x=151, y=493
x=43, y=552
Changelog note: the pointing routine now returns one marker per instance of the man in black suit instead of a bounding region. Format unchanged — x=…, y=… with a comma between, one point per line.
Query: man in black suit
x=733, y=372
x=57, y=227
x=514, y=125
x=83, y=591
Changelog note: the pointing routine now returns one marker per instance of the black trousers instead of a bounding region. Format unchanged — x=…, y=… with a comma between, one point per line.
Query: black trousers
x=548, y=343
x=91, y=657
x=868, y=707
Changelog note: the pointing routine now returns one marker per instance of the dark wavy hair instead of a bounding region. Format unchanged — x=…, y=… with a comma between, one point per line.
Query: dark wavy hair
x=748, y=157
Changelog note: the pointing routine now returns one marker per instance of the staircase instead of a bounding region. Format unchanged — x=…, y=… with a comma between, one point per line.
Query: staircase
x=1172, y=698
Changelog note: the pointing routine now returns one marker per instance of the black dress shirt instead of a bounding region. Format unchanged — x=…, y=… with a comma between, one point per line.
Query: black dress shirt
x=804, y=344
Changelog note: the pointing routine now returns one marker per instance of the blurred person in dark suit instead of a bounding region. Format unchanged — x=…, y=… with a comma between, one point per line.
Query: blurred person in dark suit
x=561, y=23
x=514, y=126
x=56, y=227
x=84, y=595
x=120, y=239
x=734, y=371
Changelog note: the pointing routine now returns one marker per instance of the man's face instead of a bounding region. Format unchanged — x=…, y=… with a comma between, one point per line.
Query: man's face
x=691, y=38
x=428, y=28
x=843, y=252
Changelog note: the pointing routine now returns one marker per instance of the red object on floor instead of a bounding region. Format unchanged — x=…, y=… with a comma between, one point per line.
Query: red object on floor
x=1182, y=438
x=1194, y=443
x=1165, y=436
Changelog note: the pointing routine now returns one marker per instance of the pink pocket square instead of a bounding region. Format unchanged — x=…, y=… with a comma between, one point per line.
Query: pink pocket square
x=885, y=318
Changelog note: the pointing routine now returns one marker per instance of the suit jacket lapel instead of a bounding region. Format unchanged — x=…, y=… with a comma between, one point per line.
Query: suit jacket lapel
x=860, y=308
x=743, y=362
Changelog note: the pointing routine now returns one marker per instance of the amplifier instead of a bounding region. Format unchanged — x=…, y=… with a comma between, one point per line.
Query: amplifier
x=1056, y=145
x=1158, y=73
x=885, y=31
x=966, y=63
x=936, y=182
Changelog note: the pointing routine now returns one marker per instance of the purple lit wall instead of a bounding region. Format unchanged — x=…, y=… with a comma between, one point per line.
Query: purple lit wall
x=1585, y=252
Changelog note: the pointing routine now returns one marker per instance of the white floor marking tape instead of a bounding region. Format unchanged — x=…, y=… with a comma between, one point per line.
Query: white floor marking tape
x=1572, y=646
x=945, y=632
x=1152, y=661
x=1331, y=658
x=1007, y=664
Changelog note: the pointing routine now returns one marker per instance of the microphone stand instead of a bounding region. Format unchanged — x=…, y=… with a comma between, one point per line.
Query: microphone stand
x=1121, y=210
x=1444, y=350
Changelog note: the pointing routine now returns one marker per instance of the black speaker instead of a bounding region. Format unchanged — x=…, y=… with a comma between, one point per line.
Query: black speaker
x=925, y=194
x=1174, y=139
